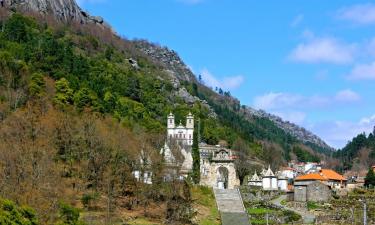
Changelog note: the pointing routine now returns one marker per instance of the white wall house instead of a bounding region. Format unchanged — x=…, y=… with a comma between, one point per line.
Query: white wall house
x=282, y=183
x=269, y=180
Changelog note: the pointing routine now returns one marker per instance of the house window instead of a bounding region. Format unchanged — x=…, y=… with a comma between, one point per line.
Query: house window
x=189, y=136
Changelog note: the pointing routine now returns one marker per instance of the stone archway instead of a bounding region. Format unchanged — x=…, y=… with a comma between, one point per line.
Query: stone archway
x=222, y=175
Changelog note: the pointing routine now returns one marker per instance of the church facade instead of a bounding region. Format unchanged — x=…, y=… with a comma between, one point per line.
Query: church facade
x=217, y=167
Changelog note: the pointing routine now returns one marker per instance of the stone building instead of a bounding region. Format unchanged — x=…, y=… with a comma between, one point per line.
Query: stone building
x=314, y=191
x=217, y=167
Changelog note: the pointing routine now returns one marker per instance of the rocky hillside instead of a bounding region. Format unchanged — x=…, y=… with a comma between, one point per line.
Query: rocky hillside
x=63, y=10
x=296, y=131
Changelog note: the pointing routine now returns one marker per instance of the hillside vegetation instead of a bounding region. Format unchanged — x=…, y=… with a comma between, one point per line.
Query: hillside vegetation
x=359, y=153
x=76, y=116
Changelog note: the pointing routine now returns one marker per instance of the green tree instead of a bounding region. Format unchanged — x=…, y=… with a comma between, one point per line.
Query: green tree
x=10, y=213
x=196, y=158
x=64, y=94
x=37, y=85
x=85, y=98
x=370, y=178
x=69, y=215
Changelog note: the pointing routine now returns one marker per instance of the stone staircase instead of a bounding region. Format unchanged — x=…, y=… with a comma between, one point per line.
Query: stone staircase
x=230, y=204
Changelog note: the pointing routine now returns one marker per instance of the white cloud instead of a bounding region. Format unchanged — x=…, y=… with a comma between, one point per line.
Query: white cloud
x=361, y=13
x=347, y=96
x=363, y=72
x=297, y=20
x=287, y=101
x=323, y=50
x=274, y=101
x=227, y=83
x=338, y=133
x=296, y=117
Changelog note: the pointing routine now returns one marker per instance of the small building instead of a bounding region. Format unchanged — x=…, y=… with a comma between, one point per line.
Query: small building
x=269, y=180
x=255, y=180
x=282, y=183
x=315, y=191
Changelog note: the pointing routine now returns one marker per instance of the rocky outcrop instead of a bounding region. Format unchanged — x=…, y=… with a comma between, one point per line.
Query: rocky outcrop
x=176, y=70
x=63, y=10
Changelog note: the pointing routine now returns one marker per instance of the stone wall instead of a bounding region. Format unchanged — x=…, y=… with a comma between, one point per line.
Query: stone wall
x=318, y=192
x=300, y=193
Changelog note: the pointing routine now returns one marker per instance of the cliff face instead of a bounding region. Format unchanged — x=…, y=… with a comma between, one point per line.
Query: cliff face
x=63, y=10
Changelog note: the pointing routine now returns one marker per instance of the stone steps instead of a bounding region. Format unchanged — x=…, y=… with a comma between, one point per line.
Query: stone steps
x=231, y=207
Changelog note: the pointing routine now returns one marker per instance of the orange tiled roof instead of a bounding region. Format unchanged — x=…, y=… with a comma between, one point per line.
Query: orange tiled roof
x=332, y=175
x=311, y=176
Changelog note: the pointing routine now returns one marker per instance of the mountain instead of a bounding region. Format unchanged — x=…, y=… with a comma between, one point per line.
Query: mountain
x=62, y=10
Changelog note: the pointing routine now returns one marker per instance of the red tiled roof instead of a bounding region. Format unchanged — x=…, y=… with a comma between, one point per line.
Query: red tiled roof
x=311, y=176
x=332, y=175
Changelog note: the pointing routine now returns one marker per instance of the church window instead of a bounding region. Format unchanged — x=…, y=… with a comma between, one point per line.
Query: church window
x=189, y=120
x=170, y=121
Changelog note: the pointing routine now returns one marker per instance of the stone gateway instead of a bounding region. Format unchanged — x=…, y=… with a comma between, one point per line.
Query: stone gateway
x=217, y=167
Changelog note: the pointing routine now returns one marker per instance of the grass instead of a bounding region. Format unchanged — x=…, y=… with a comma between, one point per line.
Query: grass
x=205, y=204
x=312, y=205
x=259, y=211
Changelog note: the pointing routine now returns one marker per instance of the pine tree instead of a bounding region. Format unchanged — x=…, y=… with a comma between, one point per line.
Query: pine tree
x=370, y=178
x=196, y=158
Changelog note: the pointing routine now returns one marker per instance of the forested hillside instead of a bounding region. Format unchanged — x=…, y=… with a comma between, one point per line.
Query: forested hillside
x=80, y=106
x=359, y=153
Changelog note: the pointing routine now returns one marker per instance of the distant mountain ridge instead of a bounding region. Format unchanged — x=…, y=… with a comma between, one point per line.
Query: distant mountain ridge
x=296, y=131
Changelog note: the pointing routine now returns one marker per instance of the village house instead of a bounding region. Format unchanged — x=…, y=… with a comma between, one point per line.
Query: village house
x=311, y=190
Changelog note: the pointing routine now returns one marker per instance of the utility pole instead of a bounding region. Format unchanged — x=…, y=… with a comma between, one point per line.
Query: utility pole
x=364, y=213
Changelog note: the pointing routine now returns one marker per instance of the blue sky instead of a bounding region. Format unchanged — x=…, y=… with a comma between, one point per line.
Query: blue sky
x=311, y=62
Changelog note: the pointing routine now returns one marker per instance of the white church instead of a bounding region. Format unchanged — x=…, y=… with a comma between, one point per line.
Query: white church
x=216, y=163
